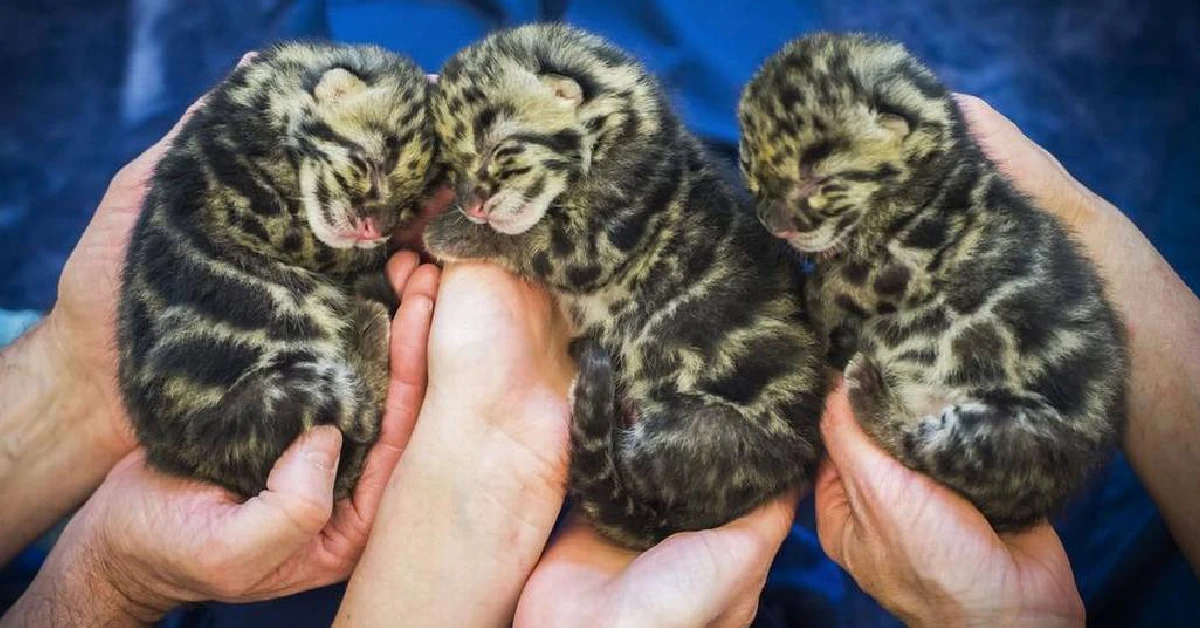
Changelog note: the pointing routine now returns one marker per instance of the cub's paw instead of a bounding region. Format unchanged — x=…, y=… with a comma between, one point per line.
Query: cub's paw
x=867, y=387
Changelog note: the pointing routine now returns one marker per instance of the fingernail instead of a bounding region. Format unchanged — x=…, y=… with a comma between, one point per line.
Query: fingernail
x=322, y=448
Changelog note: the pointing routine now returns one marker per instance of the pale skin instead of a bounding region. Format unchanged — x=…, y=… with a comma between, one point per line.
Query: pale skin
x=469, y=508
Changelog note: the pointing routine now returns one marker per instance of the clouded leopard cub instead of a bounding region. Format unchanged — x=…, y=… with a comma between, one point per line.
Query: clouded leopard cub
x=244, y=314
x=984, y=352
x=700, y=383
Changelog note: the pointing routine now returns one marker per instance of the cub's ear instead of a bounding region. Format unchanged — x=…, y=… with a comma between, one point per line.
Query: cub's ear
x=894, y=123
x=565, y=90
x=336, y=84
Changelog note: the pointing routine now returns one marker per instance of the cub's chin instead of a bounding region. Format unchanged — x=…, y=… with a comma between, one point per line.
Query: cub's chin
x=452, y=237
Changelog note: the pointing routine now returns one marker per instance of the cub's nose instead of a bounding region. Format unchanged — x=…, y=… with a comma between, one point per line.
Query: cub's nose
x=775, y=216
x=472, y=201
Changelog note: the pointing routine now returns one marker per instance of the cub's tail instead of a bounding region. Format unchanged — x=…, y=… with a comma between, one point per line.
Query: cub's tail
x=594, y=477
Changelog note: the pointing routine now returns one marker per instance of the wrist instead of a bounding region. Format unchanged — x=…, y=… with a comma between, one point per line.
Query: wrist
x=81, y=586
x=56, y=429
x=931, y=612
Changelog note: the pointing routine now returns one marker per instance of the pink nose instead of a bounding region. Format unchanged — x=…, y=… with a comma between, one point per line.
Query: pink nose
x=476, y=210
x=367, y=229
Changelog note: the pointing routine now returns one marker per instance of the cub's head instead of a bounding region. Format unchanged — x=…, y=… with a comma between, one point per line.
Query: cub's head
x=521, y=118
x=355, y=129
x=833, y=126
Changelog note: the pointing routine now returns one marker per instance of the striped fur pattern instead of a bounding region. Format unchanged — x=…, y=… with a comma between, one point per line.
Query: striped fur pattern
x=977, y=342
x=253, y=302
x=700, y=382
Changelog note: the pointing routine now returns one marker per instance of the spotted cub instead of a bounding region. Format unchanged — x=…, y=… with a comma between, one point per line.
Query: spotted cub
x=980, y=347
x=700, y=382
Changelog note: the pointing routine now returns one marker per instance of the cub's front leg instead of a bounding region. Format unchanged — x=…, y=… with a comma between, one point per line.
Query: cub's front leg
x=368, y=336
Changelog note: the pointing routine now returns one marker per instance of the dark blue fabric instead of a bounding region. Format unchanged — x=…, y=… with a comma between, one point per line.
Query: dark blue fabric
x=1108, y=86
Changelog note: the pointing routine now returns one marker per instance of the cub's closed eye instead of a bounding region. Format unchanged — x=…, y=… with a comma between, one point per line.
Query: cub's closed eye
x=893, y=120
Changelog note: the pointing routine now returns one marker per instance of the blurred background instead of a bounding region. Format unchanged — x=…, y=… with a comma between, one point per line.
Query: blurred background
x=1111, y=87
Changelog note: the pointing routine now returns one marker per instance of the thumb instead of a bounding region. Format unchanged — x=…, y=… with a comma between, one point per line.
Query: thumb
x=696, y=578
x=298, y=502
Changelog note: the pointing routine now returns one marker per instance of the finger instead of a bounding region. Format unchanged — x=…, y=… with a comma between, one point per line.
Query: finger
x=399, y=267
x=569, y=583
x=741, y=612
x=297, y=503
x=578, y=544
x=1040, y=541
x=407, y=360
x=407, y=364
x=770, y=522
x=833, y=510
x=869, y=476
x=424, y=282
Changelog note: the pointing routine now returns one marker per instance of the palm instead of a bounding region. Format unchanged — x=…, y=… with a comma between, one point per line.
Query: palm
x=519, y=354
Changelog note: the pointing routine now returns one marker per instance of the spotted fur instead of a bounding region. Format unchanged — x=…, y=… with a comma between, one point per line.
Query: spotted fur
x=980, y=347
x=249, y=310
x=699, y=382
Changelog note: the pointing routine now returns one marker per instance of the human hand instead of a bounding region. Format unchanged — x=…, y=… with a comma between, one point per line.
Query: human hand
x=481, y=483
x=145, y=542
x=705, y=578
x=924, y=552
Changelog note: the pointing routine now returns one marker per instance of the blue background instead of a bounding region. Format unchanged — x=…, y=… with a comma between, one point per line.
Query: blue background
x=1111, y=87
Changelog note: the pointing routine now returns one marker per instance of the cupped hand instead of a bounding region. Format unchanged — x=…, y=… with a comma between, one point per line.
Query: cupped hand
x=924, y=552
x=149, y=541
